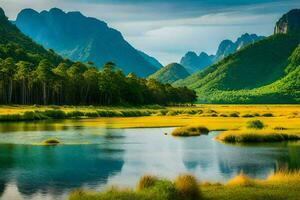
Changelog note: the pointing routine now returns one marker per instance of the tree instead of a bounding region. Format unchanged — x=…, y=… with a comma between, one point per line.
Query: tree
x=23, y=75
x=44, y=75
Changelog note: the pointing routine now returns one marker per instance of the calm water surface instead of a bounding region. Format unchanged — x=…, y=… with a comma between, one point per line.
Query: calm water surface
x=96, y=157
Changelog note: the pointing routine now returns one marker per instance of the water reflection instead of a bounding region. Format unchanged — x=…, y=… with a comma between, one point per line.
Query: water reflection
x=121, y=156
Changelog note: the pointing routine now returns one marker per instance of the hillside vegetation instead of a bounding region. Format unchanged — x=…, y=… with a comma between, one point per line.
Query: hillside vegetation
x=29, y=74
x=170, y=73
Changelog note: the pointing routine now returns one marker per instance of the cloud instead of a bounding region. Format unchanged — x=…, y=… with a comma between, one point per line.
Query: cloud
x=167, y=29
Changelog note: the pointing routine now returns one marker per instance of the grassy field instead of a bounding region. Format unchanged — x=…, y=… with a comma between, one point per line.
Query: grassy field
x=279, y=186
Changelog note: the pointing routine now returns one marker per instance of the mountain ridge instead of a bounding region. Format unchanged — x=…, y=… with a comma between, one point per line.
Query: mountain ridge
x=82, y=38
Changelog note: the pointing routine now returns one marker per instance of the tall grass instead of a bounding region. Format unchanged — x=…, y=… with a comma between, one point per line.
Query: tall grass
x=258, y=136
x=190, y=131
x=280, y=185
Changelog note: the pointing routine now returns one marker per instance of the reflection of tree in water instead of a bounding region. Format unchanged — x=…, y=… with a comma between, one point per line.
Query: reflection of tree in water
x=292, y=161
x=60, y=168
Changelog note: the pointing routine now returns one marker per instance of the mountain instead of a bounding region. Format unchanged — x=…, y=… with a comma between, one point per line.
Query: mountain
x=289, y=22
x=170, y=73
x=266, y=71
x=193, y=62
x=82, y=38
x=151, y=60
x=13, y=43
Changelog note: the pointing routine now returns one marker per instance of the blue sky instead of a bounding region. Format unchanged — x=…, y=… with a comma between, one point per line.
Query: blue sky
x=167, y=29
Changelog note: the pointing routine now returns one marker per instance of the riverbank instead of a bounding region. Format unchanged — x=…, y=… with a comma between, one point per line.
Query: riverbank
x=279, y=186
x=34, y=113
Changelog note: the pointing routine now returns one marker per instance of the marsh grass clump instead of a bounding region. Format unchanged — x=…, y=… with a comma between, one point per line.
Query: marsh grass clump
x=234, y=114
x=248, y=115
x=241, y=180
x=267, y=115
x=75, y=114
x=146, y=181
x=190, y=131
x=187, y=187
x=257, y=136
x=10, y=117
x=280, y=128
x=255, y=124
x=51, y=141
x=55, y=114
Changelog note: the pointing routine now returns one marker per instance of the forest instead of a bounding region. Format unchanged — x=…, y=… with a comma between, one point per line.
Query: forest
x=25, y=79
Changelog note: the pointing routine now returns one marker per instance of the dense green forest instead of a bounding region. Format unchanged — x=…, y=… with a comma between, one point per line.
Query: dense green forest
x=29, y=74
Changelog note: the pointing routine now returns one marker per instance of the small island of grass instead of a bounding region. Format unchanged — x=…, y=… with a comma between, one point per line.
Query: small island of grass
x=51, y=141
x=190, y=131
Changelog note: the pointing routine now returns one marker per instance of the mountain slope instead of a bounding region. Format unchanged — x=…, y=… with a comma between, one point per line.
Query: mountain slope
x=12, y=38
x=264, y=72
x=170, y=73
x=193, y=62
x=151, y=60
x=82, y=38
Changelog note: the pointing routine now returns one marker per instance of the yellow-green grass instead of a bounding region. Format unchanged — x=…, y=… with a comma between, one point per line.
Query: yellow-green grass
x=279, y=186
x=187, y=131
x=258, y=136
x=197, y=110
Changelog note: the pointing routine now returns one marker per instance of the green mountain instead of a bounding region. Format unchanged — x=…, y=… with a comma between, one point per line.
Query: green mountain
x=29, y=74
x=82, y=38
x=262, y=72
x=151, y=60
x=170, y=73
x=13, y=43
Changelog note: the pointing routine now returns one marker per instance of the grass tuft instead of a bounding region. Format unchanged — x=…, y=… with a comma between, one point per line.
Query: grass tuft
x=255, y=124
x=51, y=141
x=241, y=180
x=187, y=187
x=190, y=131
x=146, y=181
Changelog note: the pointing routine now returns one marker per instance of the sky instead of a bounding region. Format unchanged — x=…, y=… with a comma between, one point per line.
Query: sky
x=167, y=29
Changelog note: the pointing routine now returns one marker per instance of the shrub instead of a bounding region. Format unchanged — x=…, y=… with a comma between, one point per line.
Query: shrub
x=51, y=141
x=146, y=181
x=279, y=128
x=234, y=114
x=267, y=115
x=55, y=114
x=255, y=124
x=241, y=180
x=247, y=115
x=75, y=114
x=223, y=115
x=190, y=131
x=187, y=187
x=91, y=114
x=13, y=117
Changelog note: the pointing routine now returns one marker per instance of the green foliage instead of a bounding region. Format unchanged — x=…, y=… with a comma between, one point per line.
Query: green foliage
x=170, y=73
x=255, y=124
x=264, y=72
x=146, y=182
x=29, y=74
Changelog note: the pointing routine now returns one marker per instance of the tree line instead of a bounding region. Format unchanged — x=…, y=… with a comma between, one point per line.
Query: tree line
x=25, y=79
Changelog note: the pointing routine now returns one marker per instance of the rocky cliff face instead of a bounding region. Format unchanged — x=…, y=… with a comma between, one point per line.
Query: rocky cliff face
x=289, y=23
x=192, y=62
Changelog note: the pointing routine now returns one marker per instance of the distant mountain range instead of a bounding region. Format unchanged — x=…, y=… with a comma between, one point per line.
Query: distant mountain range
x=82, y=38
x=170, y=73
x=193, y=62
x=267, y=71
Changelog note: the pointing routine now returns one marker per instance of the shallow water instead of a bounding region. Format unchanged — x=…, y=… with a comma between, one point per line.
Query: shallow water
x=121, y=156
